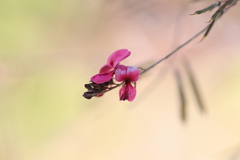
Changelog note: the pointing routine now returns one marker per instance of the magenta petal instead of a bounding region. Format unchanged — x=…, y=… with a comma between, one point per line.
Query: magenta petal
x=121, y=73
x=105, y=68
x=127, y=92
x=132, y=91
x=127, y=72
x=116, y=57
x=133, y=73
x=102, y=77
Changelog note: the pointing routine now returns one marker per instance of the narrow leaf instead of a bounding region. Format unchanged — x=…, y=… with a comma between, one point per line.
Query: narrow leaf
x=208, y=30
x=219, y=12
x=209, y=8
x=181, y=95
x=194, y=86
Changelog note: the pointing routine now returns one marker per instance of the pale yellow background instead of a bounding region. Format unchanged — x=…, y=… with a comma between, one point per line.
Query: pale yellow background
x=50, y=48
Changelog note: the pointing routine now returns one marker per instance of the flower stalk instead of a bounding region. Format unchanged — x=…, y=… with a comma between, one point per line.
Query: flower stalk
x=113, y=75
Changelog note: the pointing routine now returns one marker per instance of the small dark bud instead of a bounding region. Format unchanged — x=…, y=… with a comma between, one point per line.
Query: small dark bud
x=87, y=95
x=88, y=86
x=96, y=89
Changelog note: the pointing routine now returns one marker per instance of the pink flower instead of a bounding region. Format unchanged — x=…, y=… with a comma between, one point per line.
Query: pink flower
x=128, y=75
x=107, y=71
x=111, y=73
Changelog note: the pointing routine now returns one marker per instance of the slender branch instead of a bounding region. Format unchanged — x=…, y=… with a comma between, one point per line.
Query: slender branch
x=217, y=14
x=178, y=48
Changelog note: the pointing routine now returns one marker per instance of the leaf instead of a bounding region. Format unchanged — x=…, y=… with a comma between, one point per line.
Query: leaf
x=194, y=86
x=181, y=95
x=209, y=8
x=219, y=12
x=208, y=30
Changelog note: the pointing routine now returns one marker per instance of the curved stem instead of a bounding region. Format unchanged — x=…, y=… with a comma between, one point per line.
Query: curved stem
x=179, y=47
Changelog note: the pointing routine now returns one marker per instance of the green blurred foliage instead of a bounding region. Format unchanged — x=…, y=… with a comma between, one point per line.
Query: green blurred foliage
x=38, y=92
x=22, y=22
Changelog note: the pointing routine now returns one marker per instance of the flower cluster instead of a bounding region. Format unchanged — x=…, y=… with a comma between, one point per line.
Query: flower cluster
x=111, y=73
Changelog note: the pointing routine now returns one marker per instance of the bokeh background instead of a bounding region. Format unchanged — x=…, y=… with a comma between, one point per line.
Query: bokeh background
x=50, y=49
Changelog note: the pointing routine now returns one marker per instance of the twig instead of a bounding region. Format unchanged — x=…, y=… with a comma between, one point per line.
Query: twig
x=179, y=47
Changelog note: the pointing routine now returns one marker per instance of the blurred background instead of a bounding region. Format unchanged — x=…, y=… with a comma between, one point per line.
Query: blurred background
x=50, y=49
